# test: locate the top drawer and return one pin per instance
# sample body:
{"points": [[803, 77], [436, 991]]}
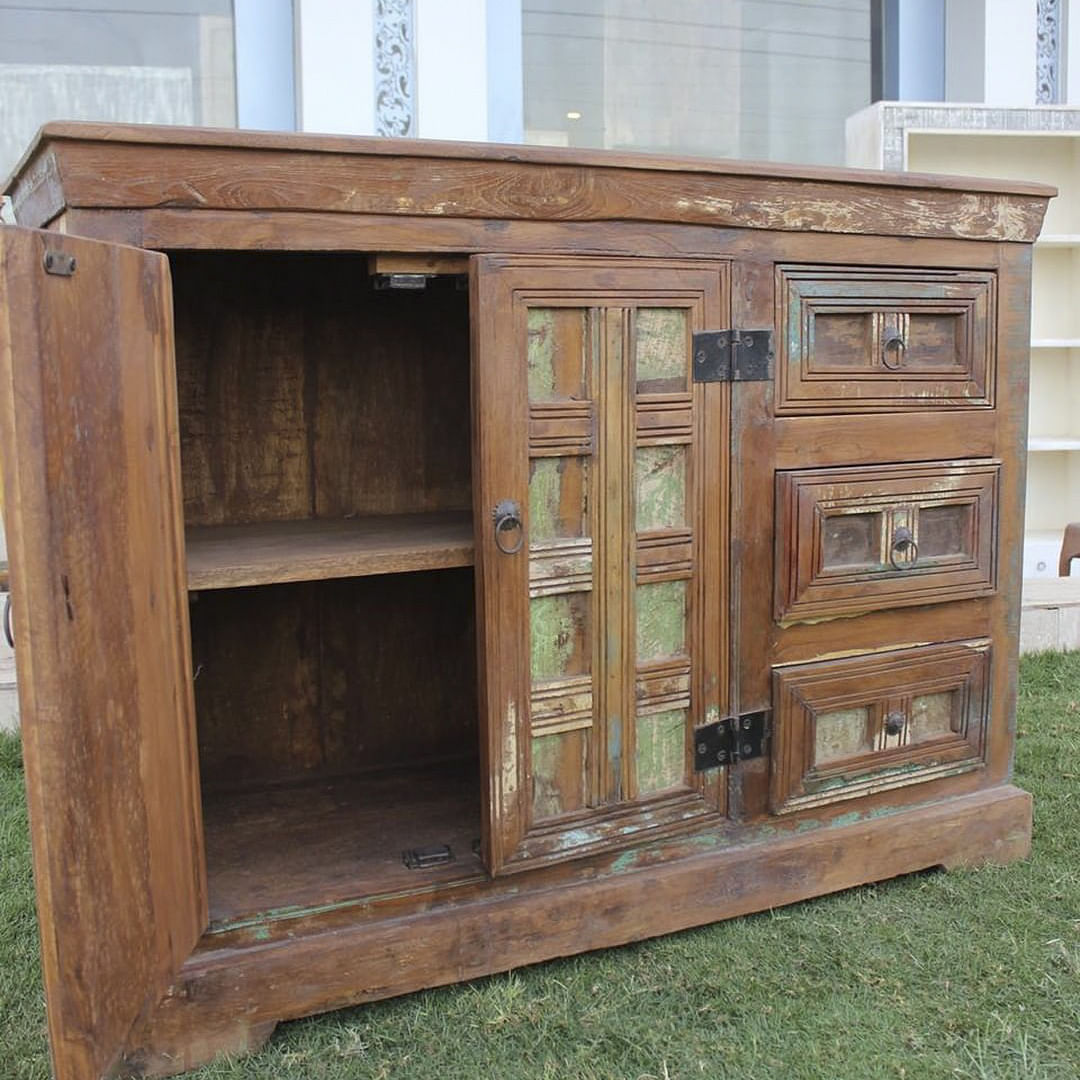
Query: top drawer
{"points": [[859, 340]]}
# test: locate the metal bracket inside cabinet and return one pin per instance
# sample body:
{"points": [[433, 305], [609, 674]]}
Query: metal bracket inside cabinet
{"points": [[731, 740], [733, 355], [412, 282], [423, 858]]}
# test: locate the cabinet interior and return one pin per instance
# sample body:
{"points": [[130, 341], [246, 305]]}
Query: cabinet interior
{"points": [[325, 460]]}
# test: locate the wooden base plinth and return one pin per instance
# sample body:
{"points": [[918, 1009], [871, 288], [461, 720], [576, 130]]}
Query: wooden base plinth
{"points": [[228, 1000]]}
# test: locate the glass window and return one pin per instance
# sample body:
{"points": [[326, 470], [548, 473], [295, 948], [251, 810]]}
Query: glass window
{"points": [[761, 79], [141, 61]]}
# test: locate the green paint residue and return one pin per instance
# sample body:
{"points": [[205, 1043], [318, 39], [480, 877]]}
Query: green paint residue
{"points": [[661, 750], [660, 487], [558, 779], [557, 627], [547, 798], [541, 353], [554, 375], [661, 620], [547, 520], [661, 350]]}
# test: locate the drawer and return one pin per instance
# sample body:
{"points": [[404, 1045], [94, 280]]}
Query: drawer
{"points": [[858, 340], [848, 728], [852, 540]]}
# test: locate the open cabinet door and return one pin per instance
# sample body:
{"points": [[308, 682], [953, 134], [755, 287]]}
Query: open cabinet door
{"points": [[600, 478], [94, 529]]}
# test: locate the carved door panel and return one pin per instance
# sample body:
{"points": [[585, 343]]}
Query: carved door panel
{"points": [[600, 478]]}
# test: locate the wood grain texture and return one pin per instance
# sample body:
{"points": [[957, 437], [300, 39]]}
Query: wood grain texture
{"points": [[821, 574], [864, 340], [314, 231], [306, 393], [126, 168], [879, 689], [90, 456], [302, 681], [338, 839], [449, 942], [523, 350], [311, 405], [230, 556]]}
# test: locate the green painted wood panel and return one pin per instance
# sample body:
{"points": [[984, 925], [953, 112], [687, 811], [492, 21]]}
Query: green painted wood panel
{"points": [[560, 639], [662, 350], [660, 610], [661, 751], [660, 487], [557, 354], [558, 498], [559, 779]]}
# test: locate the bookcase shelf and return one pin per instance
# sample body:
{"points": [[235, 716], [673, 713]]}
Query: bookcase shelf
{"points": [[231, 556]]}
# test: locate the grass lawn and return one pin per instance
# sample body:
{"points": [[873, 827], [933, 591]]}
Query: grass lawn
{"points": [[974, 973]]}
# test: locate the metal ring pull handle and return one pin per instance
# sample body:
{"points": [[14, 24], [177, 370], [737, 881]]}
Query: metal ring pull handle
{"points": [[902, 542], [893, 341], [507, 517]]}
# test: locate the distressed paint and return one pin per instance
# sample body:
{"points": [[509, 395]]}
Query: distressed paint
{"points": [[661, 750], [840, 789], [556, 359], [660, 610], [558, 775], [659, 487], [661, 350], [558, 635], [558, 498], [841, 734], [931, 716]]}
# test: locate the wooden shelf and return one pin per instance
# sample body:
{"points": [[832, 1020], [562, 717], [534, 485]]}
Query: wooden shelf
{"points": [[1045, 443], [1058, 240], [337, 839], [1055, 343], [232, 556]]}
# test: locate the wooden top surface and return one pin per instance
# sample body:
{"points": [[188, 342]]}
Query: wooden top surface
{"points": [[110, 167], [150, 134]]}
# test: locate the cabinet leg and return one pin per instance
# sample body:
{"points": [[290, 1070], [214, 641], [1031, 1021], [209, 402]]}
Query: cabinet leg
{"points": [[161, 1049]]}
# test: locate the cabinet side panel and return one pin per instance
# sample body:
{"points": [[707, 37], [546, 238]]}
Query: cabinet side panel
{"points": [[90, 461]]}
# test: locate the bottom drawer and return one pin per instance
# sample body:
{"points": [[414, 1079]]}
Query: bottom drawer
{"points": [[848, 728]]}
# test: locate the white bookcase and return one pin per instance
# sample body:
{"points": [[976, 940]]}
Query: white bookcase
{"points": [[1037, 143]]}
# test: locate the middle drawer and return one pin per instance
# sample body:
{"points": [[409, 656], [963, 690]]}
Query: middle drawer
{"points": [[852, 540]]}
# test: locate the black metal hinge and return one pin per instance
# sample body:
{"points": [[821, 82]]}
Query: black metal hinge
{"points": [[733, 355], [731, 740]]}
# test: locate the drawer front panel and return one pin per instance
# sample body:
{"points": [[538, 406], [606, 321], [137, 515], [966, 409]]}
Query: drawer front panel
{"points": [[861, 340], [850, 728], [857, 540]]}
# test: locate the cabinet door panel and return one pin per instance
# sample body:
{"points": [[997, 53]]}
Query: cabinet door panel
{"points": [[857, 540], [852, 727], [601, 645], [91, 467], [854, 340]]}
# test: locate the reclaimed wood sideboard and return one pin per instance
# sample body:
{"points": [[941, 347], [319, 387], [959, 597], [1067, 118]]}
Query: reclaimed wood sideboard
{"points": [[429, 559]]}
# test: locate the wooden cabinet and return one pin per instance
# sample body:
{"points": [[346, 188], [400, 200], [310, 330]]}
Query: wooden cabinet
{"points": [[432, 559]]}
